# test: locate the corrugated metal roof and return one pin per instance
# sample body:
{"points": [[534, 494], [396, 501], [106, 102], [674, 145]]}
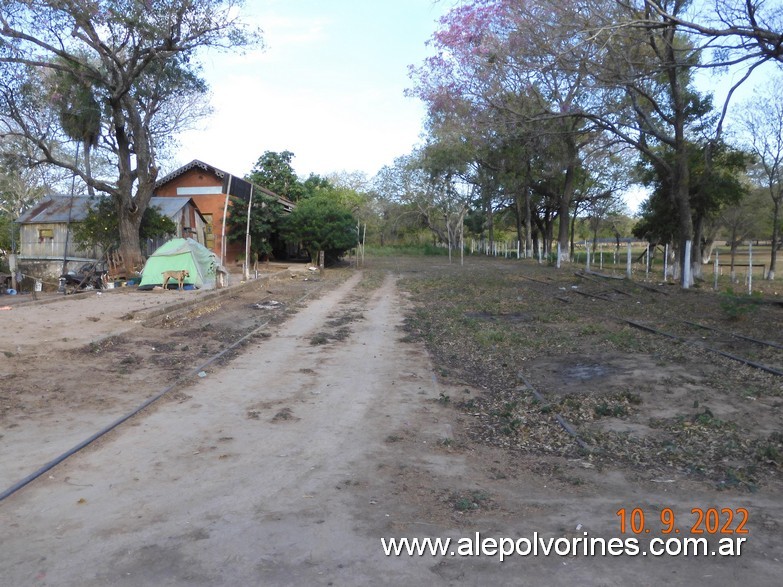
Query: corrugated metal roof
{"points": [[55, 209], [170, 206]]}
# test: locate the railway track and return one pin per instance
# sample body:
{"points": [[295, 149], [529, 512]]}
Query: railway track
{"points": [[764, 355], [723, 343]]}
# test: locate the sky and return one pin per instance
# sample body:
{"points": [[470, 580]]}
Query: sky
{"points": [[329, 87]]}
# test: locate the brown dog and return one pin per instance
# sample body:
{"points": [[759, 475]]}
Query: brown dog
{"points": [[178, 275]]}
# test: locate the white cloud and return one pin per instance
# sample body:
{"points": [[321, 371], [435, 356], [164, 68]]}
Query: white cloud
{"points": [[328, 87]]}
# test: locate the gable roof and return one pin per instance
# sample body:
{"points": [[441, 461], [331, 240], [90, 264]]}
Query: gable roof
{"points": [[233, 185], [56, 208], [170, 206]]}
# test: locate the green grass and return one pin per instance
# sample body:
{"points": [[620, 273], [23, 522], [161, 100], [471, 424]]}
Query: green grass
{"points": [[405, 250]]}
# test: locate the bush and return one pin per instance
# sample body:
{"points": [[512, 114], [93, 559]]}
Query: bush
{"points": [[321, 224], [736, 307]]}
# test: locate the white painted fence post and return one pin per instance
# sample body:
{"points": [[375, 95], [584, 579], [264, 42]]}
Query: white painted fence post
{"points": [[587, 262], [715, 272], [666, 262], [601, 257]]}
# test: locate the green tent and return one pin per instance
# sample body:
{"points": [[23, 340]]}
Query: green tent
{"points": [[176, 255]]}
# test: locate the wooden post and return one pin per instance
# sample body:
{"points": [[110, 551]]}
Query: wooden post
{"points": [[686, 269], [750, 267], [628, 262]]}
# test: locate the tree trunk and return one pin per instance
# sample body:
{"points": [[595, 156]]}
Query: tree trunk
{"points": [[130, 208], [572, 244], [490, 226], [130, 247], [564, 211], [697, 251], [518, 211], [732, 271], [775, 238], [528, 222], [685, 233], [88, 165]]}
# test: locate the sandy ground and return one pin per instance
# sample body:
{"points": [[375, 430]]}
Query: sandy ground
{"points": [[289, 463]]}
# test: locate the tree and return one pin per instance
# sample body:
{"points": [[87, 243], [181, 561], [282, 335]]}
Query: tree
{"points": [[110, 75], [762, 119], [744, 220], [498, 63], [101, 227], [719, 179], [314, 185], [430, 191], [20, 188], [736, 30], [713, 187], [274, 172], [321, 224], [722, 35], [265, 214]]}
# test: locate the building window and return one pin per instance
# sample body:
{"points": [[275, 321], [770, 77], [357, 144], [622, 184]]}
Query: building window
{"points": [[45, 233], [210, 235]]}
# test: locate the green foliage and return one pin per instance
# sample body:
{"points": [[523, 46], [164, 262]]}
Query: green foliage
{"points": [[315, 185], [274, 172], [321, 224], [121, 77], [264, 219], [6, 226], [72, 95], [713, 188], [406, 250], [101, 227], [736, 307]]}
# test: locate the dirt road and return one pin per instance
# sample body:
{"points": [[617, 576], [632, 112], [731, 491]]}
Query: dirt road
{"points": [[288, 465], [254, 479]]}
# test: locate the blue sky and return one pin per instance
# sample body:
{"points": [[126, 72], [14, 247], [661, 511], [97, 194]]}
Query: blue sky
{"points": [[328, 87]]}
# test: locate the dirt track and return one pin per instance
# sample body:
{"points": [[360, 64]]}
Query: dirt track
{"points": [[287, 465]]}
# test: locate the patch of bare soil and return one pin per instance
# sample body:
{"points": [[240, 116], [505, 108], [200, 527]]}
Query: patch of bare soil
{"points": [[75, 388], [655, 405], [505, 404]]}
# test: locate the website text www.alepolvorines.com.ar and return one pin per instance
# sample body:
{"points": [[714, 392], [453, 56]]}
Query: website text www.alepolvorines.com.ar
{"points": [[503, 548]]}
